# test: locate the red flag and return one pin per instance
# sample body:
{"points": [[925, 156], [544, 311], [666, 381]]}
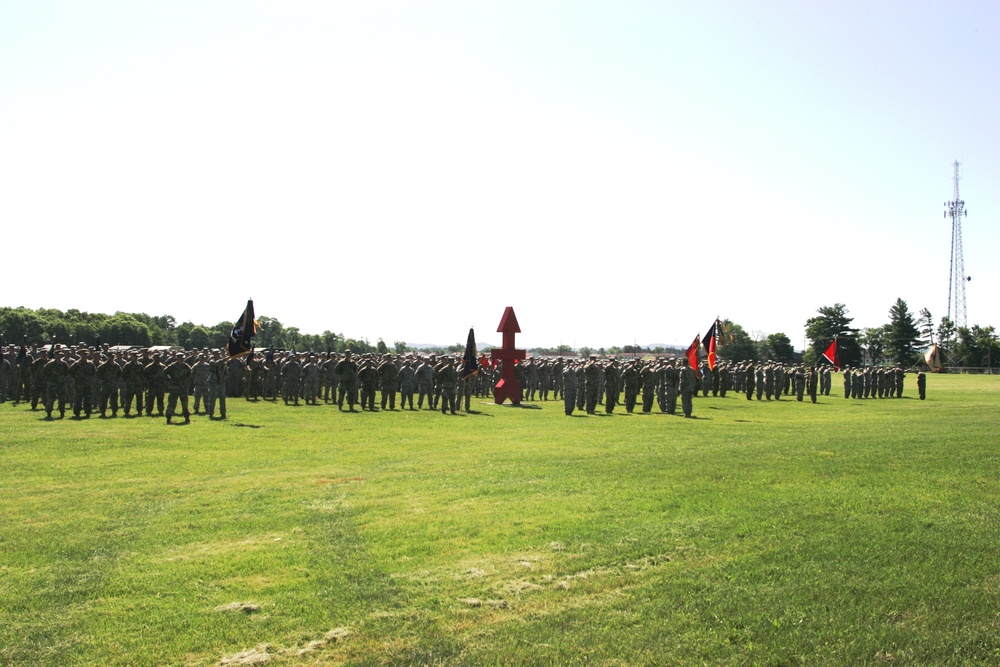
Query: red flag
{"points": [[711, 341], [831, 354], [692, 355]]}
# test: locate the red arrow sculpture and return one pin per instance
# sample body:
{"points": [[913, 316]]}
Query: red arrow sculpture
{"points": [[508, 386]]}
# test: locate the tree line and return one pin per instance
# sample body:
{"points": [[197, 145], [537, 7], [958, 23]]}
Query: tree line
{"points": [[900, 340]]}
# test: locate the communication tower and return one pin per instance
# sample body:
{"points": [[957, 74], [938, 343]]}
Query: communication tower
{"points": [[955, 209]]}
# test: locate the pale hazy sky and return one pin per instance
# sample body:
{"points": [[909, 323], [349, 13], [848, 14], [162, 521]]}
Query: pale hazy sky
{"points": [[617, 172]]}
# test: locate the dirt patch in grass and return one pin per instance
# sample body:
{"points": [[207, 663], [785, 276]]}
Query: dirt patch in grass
{"points": [[242, 607]]}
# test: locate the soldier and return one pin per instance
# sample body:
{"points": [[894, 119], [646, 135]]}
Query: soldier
{"points": [[570, 382], [329, 368], [812, 380], [688, 385], [311, 373], [425, 383], [847, 381], [177, 376], [109, 375], [922, 385], [217, 385], [670, 381], [291, 375], [407, 378], [155, 387], [347, 379], [900, 374], [446, 377], [200, 371], [368, 382], [35, 374], [134, 378], [83, 373], [56, 374], [592, 373], [388, 376], [465, 388], [630, 383], [612, 385], [648, 377], [779, 381], [750, 380], [799, 383], [532, 379]]}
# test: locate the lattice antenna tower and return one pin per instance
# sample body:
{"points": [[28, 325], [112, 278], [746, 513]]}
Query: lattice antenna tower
{"points": [[955, 209]]}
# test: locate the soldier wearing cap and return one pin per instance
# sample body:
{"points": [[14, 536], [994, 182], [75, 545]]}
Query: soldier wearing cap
{"points": [[109, 375], [177, 375], [389, 382], [56, 374], [83, 372], [217, 374], [311, 373], [347, 381]]}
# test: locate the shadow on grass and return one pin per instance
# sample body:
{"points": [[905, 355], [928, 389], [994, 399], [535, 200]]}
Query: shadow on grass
{"points": [[242, 425]]}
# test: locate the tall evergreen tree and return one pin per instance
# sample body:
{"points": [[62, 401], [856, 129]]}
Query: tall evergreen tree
{"points": [[903, 335]]}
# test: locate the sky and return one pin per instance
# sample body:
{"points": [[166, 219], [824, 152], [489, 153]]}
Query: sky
{"points": [[617, 172]]}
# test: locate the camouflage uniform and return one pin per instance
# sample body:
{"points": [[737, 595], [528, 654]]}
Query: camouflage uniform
{"points": [[217, 386], [109, 374], [177, 376], [569, 387], [155, 388], [688, 385], [425, 384], [389, 380], [291, 375], [134, 376], [56, 374], [200, 372], [368, 382], [447, 376], [347, 381], [407, 377], [83, 373]]}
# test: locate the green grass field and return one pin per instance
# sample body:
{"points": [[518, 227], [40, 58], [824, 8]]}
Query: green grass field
{"points": [[782, 533]]}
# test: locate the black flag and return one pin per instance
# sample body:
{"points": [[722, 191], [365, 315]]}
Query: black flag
{"points": [[239, 344], [470, 365]]}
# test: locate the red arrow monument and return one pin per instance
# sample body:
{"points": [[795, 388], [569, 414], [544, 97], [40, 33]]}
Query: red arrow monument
{"points": [[508, 386]]}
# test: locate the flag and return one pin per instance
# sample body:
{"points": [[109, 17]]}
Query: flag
{"points": [[933, 359], [239, 344], [831, 354], [484, 361], [729, 333], [692, 355], [470, 366], [711, 341]]}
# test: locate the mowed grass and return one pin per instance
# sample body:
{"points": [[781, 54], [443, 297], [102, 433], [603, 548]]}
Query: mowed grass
{"points": [[770, 533]]}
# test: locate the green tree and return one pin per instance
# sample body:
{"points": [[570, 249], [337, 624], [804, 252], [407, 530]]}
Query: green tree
{"points": [[902, 334], [198, 338], [777, 347], [925, 323], [124, 329], [874, 341], [821, 329], [947, 336]]}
